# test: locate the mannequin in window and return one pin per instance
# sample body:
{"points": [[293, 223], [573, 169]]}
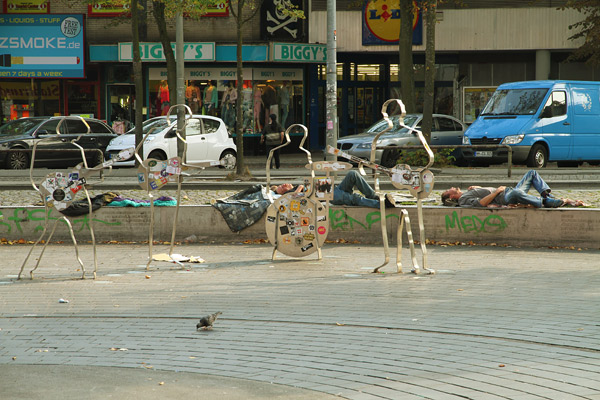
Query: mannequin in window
{"points": [[247, 106], [192, 96], [163, 97], [228, 105], [258, 105], [211, 98], [284, 103], [269, 98]]}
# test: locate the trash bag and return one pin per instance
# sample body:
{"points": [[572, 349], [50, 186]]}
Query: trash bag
{"points": [[245, 208], [81, 207]]}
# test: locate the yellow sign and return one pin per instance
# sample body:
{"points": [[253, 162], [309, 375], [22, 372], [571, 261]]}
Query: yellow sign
{"points": [[26, 6], [383, 18], [108, 8], [23, 91]]}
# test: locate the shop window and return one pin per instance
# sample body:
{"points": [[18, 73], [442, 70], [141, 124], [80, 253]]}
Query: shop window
{"points": [[259, 99], [368, 72], [24, 98], [82, 99]]}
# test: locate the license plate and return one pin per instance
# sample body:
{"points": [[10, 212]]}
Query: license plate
{"points": [[483, 154]]}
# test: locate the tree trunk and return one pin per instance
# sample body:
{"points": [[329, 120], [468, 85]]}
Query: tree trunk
{"points": [[158, 8], [430, 18], [405, 64], [239, 121], [137, 75]]}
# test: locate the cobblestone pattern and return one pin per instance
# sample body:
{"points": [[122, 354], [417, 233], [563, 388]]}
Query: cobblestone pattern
{"points": [[491, 324]]}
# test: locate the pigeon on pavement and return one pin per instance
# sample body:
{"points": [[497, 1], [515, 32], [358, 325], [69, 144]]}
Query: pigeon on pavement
{"points": [[208, 321]]}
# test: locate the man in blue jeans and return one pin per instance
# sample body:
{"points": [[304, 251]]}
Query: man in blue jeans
{"points": [[343, 193], [478, 196]]}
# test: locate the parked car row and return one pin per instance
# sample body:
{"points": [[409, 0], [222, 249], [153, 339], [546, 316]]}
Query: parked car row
{"points": [[17, 139], [446, 130], [207, 140], [541, 120]]}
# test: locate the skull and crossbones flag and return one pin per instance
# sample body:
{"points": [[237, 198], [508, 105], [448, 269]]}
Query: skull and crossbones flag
{"points": [[276, 25]]}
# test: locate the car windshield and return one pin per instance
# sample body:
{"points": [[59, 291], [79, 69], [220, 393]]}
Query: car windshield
{"points": [[20, 126], [380, 125], [515, 102]]}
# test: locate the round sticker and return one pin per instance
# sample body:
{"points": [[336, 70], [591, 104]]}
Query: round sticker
{"points": [[321, 230], [70, 27], [58, 195]]}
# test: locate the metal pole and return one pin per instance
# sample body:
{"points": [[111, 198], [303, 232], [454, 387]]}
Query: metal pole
{"points": [[331, 90], [180, 82]]}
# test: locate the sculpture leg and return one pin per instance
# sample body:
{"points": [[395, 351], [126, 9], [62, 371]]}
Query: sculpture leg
{"points": [[174, 230], [92, 233], [150, 233], [386, 248], [422, 237], [399, 242]]}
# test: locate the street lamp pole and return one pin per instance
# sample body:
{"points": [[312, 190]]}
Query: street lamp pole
{"points": [[331, 89]]}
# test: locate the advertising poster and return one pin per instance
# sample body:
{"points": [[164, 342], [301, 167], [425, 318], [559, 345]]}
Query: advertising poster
{"points": [[108, 8], [26, 7], [474, 101], [41, 46], [381, 23]]}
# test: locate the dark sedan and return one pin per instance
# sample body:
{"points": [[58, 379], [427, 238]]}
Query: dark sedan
{"points": [[18, 137]]}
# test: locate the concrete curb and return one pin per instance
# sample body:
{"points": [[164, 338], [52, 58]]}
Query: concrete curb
{"points": [[564, 227]]}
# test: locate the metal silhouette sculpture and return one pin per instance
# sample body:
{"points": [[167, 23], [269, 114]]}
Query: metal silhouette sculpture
{"points": [[419, 182], [297, 223], [153, 174], [59, 190]]}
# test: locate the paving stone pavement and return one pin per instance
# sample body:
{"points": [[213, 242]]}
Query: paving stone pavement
{"points": [[492, 323]]}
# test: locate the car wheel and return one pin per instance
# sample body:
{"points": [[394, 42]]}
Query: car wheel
{"points": [[157, 155], [230, 159], [17, 160], [389, 158], [538, 156], [96, 158]]}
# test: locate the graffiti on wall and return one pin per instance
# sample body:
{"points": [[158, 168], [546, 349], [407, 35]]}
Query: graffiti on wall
{"points": [[340, 220], [12, 222], [473, 224]]}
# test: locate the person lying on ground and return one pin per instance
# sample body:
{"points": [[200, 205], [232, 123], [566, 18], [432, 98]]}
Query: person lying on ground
{"points": [[477, 196], [343, 193]]}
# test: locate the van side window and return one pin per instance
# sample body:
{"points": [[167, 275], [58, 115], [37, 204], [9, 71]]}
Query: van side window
{"points": [[556, 105]]}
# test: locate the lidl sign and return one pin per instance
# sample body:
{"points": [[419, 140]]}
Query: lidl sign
{"points": [[153, 51], [381, 23]]}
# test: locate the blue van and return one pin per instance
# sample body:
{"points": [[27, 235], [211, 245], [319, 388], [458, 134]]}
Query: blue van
{"points": [[542, 121]]}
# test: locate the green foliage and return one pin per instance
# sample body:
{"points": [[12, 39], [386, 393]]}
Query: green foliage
{"points": [[588, 28], [419, 158]]}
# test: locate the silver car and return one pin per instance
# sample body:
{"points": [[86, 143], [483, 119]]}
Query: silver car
{"points": [[446, 130]]}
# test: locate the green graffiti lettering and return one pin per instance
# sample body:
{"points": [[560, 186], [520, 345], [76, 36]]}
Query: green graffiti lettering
{"points": [[452, 222], [342, 221], [491, 224]]}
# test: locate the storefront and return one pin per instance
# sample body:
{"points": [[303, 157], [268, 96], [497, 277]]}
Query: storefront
{"points": [[43, 66]]}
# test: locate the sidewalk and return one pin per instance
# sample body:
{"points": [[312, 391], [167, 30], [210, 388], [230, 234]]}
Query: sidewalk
{"points": [[493, 323]]}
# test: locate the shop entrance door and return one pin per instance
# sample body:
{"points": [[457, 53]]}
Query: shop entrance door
{"points": [[120, 106]]}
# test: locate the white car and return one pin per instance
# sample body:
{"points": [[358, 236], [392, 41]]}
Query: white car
{"points": [[207, 140]]}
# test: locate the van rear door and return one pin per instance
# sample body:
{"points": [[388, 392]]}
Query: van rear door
{"points": [[556, 125], [586, 122]]}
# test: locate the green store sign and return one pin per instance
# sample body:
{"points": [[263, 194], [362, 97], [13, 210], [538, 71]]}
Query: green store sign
{"points": [[294, 52], [153, 51]]}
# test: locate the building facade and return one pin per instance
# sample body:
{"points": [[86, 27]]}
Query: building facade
{"points": [[478, 47]]}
